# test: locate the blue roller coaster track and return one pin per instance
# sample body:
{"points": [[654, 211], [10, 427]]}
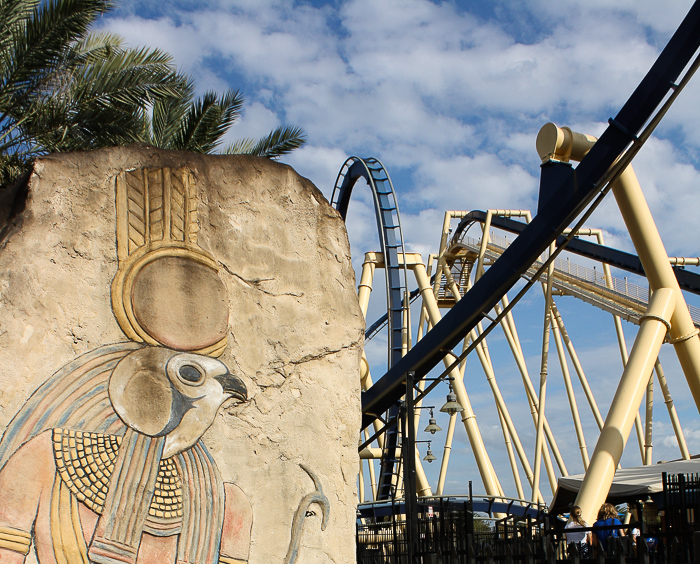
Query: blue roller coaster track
{"points": [[392, 247]]}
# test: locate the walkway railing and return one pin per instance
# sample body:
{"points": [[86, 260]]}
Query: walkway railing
{"points": [[584, 282]]}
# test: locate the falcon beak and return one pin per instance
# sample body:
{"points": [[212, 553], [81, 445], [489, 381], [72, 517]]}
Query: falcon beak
{"points": [[232, 386]]}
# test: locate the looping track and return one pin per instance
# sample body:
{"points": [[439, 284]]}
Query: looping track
{"points": [[392, 247]]}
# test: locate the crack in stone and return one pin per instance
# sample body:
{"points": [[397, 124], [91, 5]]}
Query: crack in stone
{"points": [[311, 357], [280, 368], [74, 337], [256, 284]]}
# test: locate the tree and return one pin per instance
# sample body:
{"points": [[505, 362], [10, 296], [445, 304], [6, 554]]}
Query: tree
{"points": [[63, 89], [199, 125]]}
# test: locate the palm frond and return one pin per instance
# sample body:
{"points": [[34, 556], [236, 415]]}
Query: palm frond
{"points": [[281, 141], [93, 47], [40, 45], [11, 167], [168, 115], [130, 76], [243, 146], [102, 101], [207, 121], [13, 15], [63, 88]]}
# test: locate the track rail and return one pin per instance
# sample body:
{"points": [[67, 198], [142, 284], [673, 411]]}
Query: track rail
{"points": [[687, 280], [392, 246]]}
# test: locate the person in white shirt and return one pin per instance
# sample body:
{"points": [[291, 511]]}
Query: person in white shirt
{"points": [[580, 539]]}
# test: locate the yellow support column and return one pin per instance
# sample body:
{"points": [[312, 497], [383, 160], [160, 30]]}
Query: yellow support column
{"points": [[668, 400], [483, 461], [509, 431], [654, 259], [569, 391], [618, 423], [667, 311], [564, 144], [446, 455]]}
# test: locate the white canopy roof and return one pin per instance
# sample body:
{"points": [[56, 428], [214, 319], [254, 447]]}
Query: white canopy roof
{"points": [[629, 484]]}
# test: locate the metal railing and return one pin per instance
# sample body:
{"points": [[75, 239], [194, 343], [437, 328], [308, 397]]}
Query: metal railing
{"points": [[569, 273], [451, 532]]}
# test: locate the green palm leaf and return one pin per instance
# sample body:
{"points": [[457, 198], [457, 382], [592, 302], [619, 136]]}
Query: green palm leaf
{"points": [[207, 120], [167, 117], [281, 141], [63, 88]]}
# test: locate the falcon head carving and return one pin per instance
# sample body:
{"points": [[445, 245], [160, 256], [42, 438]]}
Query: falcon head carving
{"points": [[161, 392]]}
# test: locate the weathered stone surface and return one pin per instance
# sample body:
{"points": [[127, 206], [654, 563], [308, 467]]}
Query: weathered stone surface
{"points": [[176, 300], [294, 326]]}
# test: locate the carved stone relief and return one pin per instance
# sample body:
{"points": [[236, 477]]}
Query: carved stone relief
{"points": [[109, 459]]}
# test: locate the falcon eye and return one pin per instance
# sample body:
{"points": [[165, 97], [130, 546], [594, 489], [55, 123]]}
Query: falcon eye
{"points": [[190, 373]]}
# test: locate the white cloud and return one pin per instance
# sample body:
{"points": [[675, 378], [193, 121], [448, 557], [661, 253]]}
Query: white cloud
{"points": [[661, 18], [319, 163], [256, 121], [478, 182], [181, 41]]}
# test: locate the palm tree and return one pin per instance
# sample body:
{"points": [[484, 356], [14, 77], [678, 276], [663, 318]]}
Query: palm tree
{"points": [[63, 88], [199, 125]]}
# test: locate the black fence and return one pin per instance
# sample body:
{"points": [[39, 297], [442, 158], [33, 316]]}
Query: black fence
{"points": [[448, 532], [681, 502], [635, 543]]}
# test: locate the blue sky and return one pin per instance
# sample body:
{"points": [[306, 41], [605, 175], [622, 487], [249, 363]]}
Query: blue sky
{"points": [[450, 96]]}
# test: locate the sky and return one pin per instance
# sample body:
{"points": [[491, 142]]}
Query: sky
{"points": [[450, 96]]}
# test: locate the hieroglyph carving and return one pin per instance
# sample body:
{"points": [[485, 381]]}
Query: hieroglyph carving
{"points": [[104, 463], [167, 290]]}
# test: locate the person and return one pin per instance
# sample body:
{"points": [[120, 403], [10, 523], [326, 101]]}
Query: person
{"points": [[607, 516], [578, 539], [651, 521], [634, 519]]}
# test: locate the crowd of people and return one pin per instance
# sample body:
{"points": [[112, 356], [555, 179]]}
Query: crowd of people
{"points": [[607, 526]]}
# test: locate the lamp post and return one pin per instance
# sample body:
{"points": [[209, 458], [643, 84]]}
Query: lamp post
{"points": [[432, 427], [430, 457], [408, 448], [409, 460]]}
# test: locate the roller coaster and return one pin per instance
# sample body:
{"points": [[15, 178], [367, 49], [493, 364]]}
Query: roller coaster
{"points": [[462, 296]]}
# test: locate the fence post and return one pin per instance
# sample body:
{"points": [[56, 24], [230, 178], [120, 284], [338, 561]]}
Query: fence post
{"points": [[471, 552], [674, 550], [696, 547], [550, 551], [409, 473], [574, 555], [684, 504], [642, 548], [488, 553], [599, 554], [395, 556], [529, 554], [618, 548]]}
